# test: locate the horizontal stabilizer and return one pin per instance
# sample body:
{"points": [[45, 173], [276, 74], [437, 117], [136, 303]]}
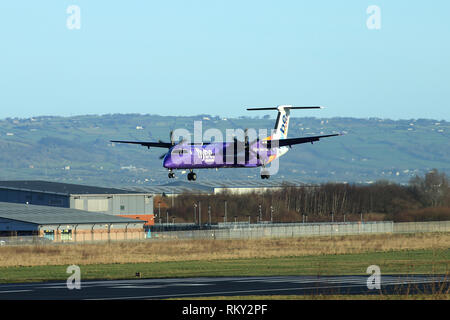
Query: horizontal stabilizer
{"points": [[148, 144], [291, 108]]}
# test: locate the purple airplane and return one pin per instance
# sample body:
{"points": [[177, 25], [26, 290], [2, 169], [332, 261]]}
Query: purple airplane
{"points": [[235, 154]]}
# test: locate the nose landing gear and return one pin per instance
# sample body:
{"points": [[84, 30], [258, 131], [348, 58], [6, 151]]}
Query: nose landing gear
{"points": [[171, 174]]}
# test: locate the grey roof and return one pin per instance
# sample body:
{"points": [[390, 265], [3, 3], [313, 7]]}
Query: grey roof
{"points": [[56, 215], [59, 188], [208, 186], [253, 183], [176, 187]]}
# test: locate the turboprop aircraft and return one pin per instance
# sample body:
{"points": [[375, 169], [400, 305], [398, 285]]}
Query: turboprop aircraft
{"points": [[236, 154]]}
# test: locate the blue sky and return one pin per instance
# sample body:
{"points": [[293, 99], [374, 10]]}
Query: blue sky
{"points": [[216, 57]]}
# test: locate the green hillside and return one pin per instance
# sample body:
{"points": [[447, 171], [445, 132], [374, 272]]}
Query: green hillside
{"points": [[77, 149]]}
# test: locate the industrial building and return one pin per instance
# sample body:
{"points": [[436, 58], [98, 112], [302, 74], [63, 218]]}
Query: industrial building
{"points": [[65, 224], [217, 187], [125, 203]]}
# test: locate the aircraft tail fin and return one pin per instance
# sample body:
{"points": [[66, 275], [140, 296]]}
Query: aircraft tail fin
{"points": [[282, 122]]}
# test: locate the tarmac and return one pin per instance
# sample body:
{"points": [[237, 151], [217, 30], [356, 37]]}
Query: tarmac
{"points": [[142, 289]]}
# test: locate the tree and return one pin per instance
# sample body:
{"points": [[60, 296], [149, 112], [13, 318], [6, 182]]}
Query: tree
{"points": [[433, 189]]}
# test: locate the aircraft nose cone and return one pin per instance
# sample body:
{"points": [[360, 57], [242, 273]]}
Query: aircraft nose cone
{"points": [[167, 162]]}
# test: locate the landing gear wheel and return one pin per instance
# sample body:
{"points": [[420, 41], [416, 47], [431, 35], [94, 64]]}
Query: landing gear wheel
{"points": [[171, 175], [265, 176], [192, 176]]}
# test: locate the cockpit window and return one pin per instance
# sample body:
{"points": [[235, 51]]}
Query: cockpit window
{"points": [[180, 151]]}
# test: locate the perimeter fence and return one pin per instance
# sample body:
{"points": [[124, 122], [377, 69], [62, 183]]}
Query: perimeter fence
{"points": [[415, 227], [242, 230], [278, 230]]}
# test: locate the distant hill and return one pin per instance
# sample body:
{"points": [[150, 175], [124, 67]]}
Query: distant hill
{"points": [[77, 149]]}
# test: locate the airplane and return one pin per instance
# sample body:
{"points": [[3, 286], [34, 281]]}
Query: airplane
{"points": [[236, 154]]}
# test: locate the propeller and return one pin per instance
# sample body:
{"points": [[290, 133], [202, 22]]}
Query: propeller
{"points": [[171, 141]]}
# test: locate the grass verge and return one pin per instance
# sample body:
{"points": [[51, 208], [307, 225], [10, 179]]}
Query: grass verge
{"points": [[428, 261], [204, 250]]}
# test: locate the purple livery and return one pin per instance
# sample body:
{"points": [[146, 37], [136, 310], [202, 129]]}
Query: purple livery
{"points": [[236, 154]]}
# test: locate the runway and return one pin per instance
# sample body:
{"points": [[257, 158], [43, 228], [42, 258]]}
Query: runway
{"points": [[141, 289]]}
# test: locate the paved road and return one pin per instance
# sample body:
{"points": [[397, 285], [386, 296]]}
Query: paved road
{"points": [[222, 286]]}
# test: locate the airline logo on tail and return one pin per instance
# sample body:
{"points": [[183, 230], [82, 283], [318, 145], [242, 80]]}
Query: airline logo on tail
{"points": [[281, 126], [284, 126]]}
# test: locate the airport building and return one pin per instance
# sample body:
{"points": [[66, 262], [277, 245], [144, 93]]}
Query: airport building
{"points": [[65, 224], [217, 187], [118, 202]]}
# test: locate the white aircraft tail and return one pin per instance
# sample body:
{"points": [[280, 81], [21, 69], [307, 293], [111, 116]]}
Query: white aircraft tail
{"points": [[282, 122]]}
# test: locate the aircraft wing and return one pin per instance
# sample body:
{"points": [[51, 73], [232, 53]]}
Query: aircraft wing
{"points": [[293, 141], [167, 145]]}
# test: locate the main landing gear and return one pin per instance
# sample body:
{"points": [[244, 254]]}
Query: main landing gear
{"points": [[265, 172], [192, 176]]}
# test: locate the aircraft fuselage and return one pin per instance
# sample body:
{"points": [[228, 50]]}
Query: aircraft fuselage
{"points": [[220, 155]]}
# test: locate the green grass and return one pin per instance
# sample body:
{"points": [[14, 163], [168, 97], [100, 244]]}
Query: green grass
{"points": [[394, 262]]}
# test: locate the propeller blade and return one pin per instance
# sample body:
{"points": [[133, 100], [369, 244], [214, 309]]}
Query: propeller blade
{"points": [[162, 156]]}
